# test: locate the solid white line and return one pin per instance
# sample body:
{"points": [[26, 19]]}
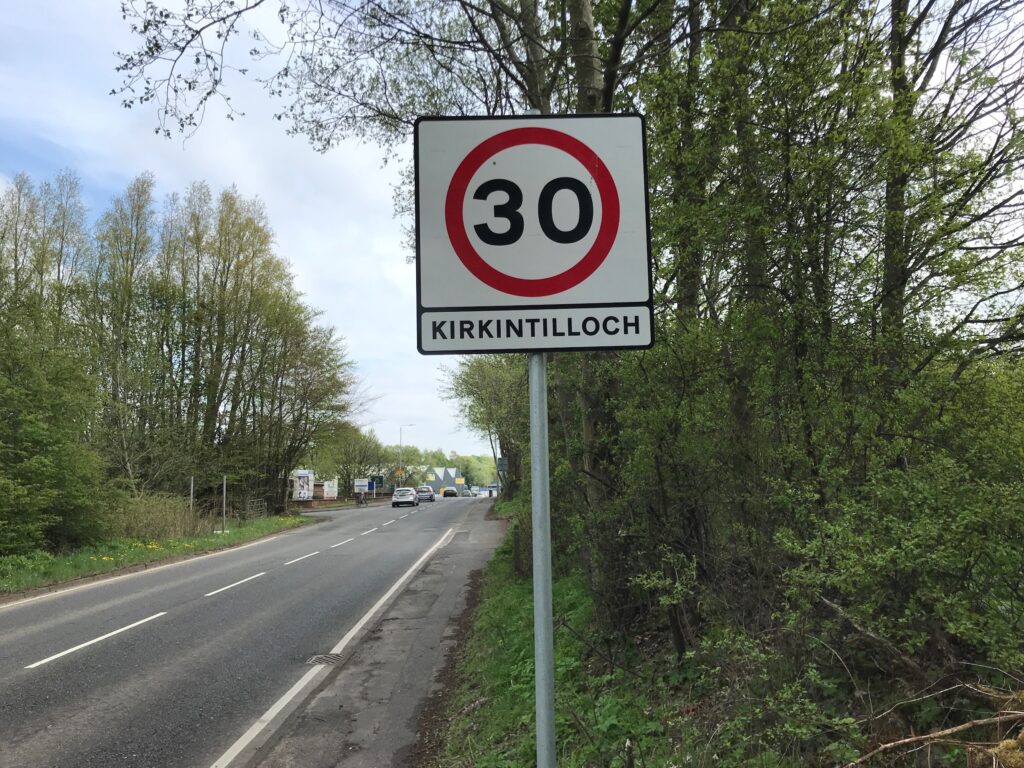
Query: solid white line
{"points": [[346, 541], [389, 522], [229, 586], [254, 731], [95, 640], [369, 531], [403, 517], [303, 557], [394, 588], [235, 749]]}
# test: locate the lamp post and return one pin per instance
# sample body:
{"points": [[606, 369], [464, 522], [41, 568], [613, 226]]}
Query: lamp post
{"points": [[401, 465]]}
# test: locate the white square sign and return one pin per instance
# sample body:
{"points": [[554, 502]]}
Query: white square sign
{"points": [[532, 233]]}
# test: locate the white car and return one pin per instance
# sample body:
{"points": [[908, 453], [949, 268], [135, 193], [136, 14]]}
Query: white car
{"points": [[404, 496]]}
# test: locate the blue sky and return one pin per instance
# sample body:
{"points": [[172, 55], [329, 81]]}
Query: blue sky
{"points": [[331, 214]]}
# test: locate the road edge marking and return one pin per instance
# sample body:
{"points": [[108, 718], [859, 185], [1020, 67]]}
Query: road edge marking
{"points": [[278, 706], [100, 579]]}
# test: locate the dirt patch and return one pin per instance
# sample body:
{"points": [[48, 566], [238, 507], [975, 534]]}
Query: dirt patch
{"points": [[432, 726]]}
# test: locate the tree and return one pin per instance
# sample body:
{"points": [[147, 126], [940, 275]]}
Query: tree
{"points": [[51, 481], [491, 392]]}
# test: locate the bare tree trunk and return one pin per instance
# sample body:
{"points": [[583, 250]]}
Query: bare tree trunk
{"points": [[589, 74], [897, 179]]}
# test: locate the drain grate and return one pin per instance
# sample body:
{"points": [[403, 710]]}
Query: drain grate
{"points": [[326, 658]]}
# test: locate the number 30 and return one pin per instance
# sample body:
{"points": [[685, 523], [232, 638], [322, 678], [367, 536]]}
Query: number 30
{"points": [[509, 210]]}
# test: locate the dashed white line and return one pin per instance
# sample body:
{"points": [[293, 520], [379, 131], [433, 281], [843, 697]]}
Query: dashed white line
{"points": [[389, 522], [403, 517], [302, 558], [95, 640], [369, 531], [346, 541], [229, 586]]}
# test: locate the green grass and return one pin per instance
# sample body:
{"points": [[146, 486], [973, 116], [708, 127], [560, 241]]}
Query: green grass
{"points": [[598, 704], [41, 569]]}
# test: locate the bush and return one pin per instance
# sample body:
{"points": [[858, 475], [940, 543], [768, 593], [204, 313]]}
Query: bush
{"points": [[154, 516]]}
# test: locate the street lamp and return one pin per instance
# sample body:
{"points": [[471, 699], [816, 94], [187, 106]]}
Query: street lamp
{"points": [[401, 465]]}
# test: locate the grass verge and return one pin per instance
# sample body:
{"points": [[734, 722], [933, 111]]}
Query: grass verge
{"points": [[42, 569], [603, 699]]}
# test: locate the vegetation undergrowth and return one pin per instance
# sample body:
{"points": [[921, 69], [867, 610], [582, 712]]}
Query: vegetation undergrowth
{"points": [[602, 701], [737, 699], [40, 568]]}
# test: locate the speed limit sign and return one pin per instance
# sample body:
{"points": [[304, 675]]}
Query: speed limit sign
{"points": [[532, 233]]}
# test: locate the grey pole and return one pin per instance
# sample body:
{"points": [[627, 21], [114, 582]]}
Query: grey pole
{"points": [[543, 631], [224, 507], [191, 494]]}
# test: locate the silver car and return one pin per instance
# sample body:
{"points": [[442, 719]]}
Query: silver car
{"points": [[404, 496], [425, 493]]}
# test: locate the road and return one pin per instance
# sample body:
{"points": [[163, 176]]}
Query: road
{"points": [[171, 666]]}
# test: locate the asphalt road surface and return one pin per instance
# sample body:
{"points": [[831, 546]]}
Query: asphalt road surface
{"points": [[171, 666]]}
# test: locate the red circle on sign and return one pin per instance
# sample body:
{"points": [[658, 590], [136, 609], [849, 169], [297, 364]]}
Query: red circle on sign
{"points": [[521, 286]]}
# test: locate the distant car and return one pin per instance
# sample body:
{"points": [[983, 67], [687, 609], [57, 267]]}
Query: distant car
{"points": [[404, 496], [450, 492], [425, 493], [466, 492]]}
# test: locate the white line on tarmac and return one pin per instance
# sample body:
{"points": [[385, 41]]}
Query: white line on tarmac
{"points": [[389, 522], [394, 588], [302, 558], [229, 586], [103, 581], [403, 517], [235, 749], [346, 541], [369, 531], [95, 640]]}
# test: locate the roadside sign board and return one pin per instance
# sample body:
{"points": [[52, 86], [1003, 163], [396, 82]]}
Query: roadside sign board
{"points": [[361, 485], [502, 464], [460, 480], [532, 233]]}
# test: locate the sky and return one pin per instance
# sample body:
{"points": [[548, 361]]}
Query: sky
{"points": [[331, 213]]}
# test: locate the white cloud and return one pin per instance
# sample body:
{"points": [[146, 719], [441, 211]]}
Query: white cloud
{"points": [[331, 213]]}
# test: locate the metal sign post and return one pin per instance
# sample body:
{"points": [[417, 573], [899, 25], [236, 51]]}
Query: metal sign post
{"points": [[533, 234], [543, 631]]}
